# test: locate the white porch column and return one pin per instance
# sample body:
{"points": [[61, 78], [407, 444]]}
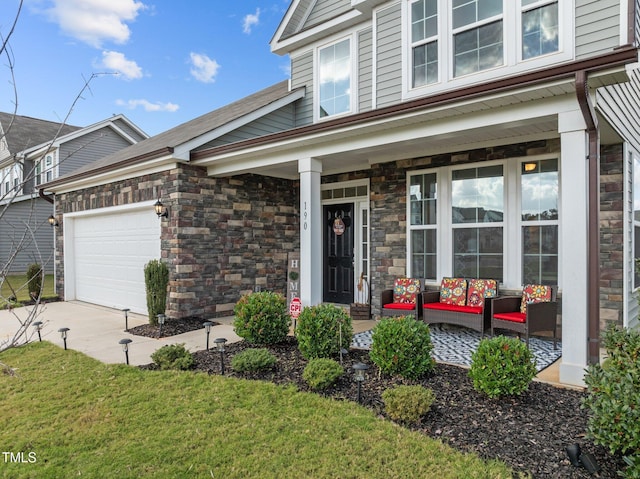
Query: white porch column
{"points": [[310, 232], [573, 249]]}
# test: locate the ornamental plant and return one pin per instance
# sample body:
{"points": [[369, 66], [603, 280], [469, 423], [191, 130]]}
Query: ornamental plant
{"points": [[402, 346], [156, 280], [407, 404], [323, 330], [173, 356], [320, 373], [34, 280], [502, 366], [613, 397], [262, 318], [253, 360]]}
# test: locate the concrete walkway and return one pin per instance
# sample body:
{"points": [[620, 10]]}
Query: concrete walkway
{"points": [[95, 331]]}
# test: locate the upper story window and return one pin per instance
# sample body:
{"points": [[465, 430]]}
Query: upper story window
{"points": [[45, 170], [334, 70], [451, 43]]}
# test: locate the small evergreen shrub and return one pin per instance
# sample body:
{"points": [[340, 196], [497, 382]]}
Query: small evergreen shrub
{"points": [[402, 346], [613, 397], [156, 280], [502, 366], [253, 360], [34, 280], [262, 318], [320, 373], [320, 329], [173, 356], [407, 404]]}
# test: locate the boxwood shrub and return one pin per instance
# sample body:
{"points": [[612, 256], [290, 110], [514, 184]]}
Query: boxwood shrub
{"points": [[319, 331], [253, 359], [262, 318], [407, 404], [320, 373], [402, 346], [173, 356], [502, 366]]}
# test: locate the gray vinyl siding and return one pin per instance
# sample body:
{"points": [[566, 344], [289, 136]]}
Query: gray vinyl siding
{"points": [[88, 148], [297, 17], [365, 70], [597, 27], [302, 76], [124, 126], [389, 54], [325, 10], [24, 229], [282, 119]]}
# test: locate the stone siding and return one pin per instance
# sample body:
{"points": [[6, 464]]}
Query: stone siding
{"points": [[224, 236]]}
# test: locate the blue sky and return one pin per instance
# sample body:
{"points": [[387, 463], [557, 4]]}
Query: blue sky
{"points": [[175, 60]]}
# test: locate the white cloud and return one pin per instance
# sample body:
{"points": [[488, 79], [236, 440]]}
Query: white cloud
{"points": [[95, 21], [204, 69], [116, 61], [250, 20], [147, 105]]}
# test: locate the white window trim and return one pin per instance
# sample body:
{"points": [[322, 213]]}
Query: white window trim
{"points": [[513, 63], [512, 220], [353, 49]]}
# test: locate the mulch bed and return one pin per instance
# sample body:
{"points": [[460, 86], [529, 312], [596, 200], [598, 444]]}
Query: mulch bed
{"points": [[171, 327], [529, 432]]}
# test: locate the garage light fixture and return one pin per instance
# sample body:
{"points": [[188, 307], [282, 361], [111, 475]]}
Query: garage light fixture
{"points": [[161, 210], [53, 221]]}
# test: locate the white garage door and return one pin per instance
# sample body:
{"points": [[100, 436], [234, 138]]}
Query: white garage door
{"points": [[110, 251]]}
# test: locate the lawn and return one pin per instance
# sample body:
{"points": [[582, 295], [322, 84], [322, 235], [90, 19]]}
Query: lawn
{"points": [[17, 283], [70, 415]]}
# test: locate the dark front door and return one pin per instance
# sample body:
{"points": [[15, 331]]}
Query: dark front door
{"points": [[338, 253]]}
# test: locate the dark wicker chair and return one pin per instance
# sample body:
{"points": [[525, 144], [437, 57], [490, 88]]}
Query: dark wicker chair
{"points": [[539, 316], [389, 307]]}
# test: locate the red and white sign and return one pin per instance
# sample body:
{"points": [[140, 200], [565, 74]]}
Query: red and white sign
{"points": [[295, 308]]}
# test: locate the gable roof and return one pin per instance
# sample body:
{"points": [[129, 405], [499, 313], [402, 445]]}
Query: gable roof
{"points": [[176, 144], [23, 132]]}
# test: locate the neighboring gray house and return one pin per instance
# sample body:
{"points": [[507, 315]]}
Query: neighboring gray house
{"points": [[33, 152], [479, 139]]}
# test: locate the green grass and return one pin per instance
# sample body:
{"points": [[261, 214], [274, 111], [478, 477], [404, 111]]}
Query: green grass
{"points": [[80, 417], [18, 283]]}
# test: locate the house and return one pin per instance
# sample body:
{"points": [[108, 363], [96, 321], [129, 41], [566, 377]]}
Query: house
{"points": [[447, 138], [33, 152]]}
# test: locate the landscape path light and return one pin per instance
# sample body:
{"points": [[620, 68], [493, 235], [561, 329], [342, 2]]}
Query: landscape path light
{"points": [[161, 319], [360, 369], [126, 318], [207, 327], [38, 326], [220, 342], [63, 332], [125, 347]]}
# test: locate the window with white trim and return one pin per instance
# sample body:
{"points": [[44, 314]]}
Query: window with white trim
{"points": [[423, 198], [540, 30], [539, 216], [334, 77], [636, 218], [424, 42]]}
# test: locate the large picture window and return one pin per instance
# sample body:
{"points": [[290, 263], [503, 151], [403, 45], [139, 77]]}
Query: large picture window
{"points": [[477, 212], [539, 200], [334, 67]]}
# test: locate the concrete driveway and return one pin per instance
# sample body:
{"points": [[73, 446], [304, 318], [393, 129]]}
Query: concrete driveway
{"points": [[96, 330]]}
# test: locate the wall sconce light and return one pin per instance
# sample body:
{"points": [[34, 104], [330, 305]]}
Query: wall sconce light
{"points": [[360, 369], [528, 167], [161, 210], [53, 221], [220, 342], [38, 326], [125, 347], [207, 327], [63, 333], [161, 320]]}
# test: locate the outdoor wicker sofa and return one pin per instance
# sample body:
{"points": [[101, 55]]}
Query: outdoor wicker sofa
{"points": [[461, 302]]}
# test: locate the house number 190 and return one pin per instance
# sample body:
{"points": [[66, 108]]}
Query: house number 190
{"points": [[306, 216]]}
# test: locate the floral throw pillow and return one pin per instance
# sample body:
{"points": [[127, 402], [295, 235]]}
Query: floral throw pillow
{"points": [[534, 293], [453, 291], [479, 289], [405, 290]]}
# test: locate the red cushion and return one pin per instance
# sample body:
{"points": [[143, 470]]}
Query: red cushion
{"points": [[514, 317], [405, 306], [454, 307]]}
